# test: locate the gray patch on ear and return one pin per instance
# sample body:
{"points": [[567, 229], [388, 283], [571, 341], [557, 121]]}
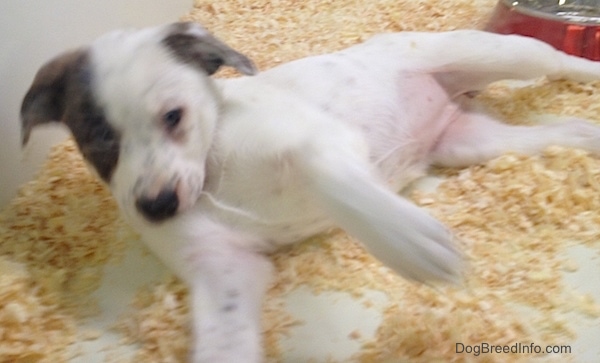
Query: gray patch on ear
{"points": [[45, 100], [62, 92], [193, 44]]}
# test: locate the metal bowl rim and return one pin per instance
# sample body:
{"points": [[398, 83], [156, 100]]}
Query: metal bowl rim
{"points": [[520, 7]]}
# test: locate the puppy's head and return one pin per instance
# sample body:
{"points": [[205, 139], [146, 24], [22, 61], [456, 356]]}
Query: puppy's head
{"points": [[142, 109]]}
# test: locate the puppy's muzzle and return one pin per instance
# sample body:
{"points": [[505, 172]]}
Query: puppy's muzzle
{"points": [[162, 207]]}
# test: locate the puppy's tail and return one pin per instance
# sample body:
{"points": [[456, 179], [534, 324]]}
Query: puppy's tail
{"points": [[398, 233]]}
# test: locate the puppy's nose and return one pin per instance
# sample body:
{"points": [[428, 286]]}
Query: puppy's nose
{"points": [[160, 208]]}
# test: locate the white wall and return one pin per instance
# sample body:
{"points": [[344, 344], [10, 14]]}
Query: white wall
{"points": [[33, 31]]}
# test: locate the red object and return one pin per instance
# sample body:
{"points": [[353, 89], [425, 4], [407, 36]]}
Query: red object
{"points": [[578, 39]]}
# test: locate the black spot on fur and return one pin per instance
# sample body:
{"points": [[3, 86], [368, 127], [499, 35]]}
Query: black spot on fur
{"points": [[228, 308]]}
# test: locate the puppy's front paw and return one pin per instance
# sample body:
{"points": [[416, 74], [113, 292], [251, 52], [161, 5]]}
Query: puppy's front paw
{"points": [[415, 244], [429, 247]]}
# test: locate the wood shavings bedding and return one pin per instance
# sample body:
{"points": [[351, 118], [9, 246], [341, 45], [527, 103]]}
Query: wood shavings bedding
{"points": [[559, 98], [55, 238], [31, 327], [272, 32], [514, 217]]}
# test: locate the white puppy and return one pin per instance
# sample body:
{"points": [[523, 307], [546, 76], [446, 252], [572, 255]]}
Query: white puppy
{"points": [[215, 172]]}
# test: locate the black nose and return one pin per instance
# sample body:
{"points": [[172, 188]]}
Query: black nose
{"points": [[160, 208]]}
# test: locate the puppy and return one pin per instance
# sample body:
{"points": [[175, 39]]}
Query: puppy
{"points": [[213, 173]]}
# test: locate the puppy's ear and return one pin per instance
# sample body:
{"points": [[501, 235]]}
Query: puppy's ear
{"points": [[46, 99], [193, 44]]}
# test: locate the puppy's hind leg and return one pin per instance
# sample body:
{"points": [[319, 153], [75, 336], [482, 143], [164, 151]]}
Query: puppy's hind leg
{"points": [[398, 233], [475, 138], [469, 60]]}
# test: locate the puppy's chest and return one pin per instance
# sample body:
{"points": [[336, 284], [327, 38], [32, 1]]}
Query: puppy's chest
{"points": [[266, 198]]}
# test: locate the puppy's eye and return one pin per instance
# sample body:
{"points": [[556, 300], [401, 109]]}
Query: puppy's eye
{"points": [[172, 118], [102, 133]]}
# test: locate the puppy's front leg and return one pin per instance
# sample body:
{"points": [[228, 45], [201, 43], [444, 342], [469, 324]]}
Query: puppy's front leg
{"points": [[227, 286], [398, 233]]}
